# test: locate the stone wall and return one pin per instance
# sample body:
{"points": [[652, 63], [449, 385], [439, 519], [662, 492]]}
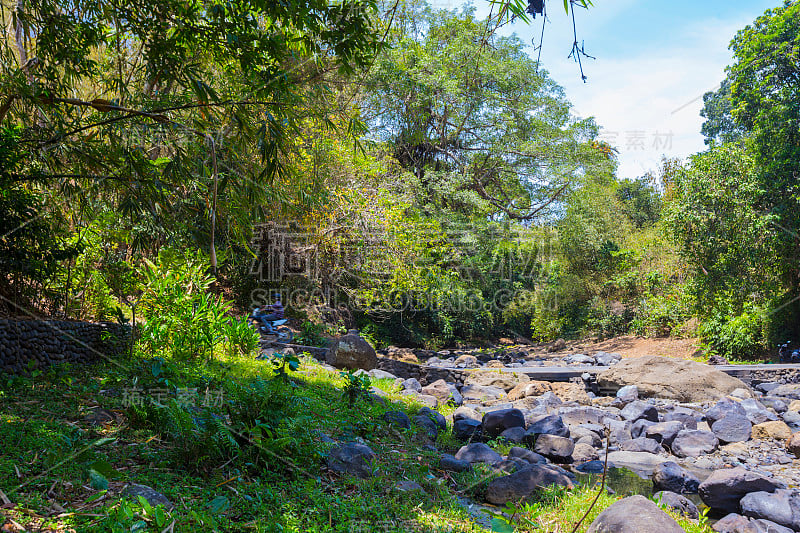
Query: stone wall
{"points": [[31, 344], [424, 374]]}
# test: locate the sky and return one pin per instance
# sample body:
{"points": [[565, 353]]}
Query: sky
{"points": [[654, 61]]}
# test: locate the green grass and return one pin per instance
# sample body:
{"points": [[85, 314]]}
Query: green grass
{"points": [[253, 463]]}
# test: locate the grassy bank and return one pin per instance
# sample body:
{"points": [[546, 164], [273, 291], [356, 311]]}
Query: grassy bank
{"points": [[246, 452]]}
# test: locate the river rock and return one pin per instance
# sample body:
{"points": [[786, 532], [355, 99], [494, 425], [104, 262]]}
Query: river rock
{"points": [[490, 378], [465, 412], [525, 482], [669, 476], [688, 417], [639, 410], [663, 432], [525, 454], [792, 419], [641, 444], [557, 449], [397, 418], [495, 422], [444, 392], [789, 390], [642, 463], [584, 452], [466, 361], [723, 489], [467, 429], [451, 464], [531, 388], [781, 506], [353, 352], [776, 430], [478, 452], [515, 435], [548, 424], [677, 379], [678, 503], [481, 393], [639, 428], [793, 444], [411, 384], [732, 428], [757, 413], [723, 408], [634, 514], [694, 443], [351, 458]]}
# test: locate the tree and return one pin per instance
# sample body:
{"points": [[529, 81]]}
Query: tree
{"points": [[720, 126], [477, 123], [156, 108]]}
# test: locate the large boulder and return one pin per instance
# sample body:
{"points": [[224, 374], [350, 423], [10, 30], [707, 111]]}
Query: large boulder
{"points": [[781, 507], [776, 430], [490, 378], [557, 449], [671, 477], [694, 443], [495, 422], [634, 514], [525, 482], [677, 379], [732, 428], [352, 352], [723, 489]]}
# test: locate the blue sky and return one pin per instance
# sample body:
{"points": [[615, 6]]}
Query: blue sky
{"points": [[654, 62]]}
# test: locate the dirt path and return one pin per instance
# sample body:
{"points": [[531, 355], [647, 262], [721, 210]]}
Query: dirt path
{"points": [[630, 346]]}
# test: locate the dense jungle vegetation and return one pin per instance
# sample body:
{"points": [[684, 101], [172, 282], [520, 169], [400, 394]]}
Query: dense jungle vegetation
{"points": [[424, 180]]}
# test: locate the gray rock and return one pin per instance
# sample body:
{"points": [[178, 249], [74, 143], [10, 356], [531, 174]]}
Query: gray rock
{"points": [[515, 435], [723, 489], [353, 352], [557, 449], [526, 455], [628, 391], [437, 417], [377, 373], [639, 410], [152, 496], [642, 463], [406, 485], [351, 458], [397, 418], [584, 434], [482, 393], [465, 412], [444, 392], [688, 417], [467, 429], [792, 419], [678, 503], [583, 453], [789, 390], [495, 422], [732, 428], [663, 432], [641, 444], [639, 428], [635, 514], [478, 452], [757, 413], [694, 443], [451, 464], [724, 408], [671, 477], [428, 424], [780, 405], [573, 416], [548, 424], [607, 359], [732, 523], [781, 506], [765, 526], [525, 482]]}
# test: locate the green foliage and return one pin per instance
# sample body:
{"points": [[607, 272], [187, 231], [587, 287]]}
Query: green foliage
{"points": [[356, 387], [311, 334], [240, 337], [743, 334], [31, 242], [181, 318]]}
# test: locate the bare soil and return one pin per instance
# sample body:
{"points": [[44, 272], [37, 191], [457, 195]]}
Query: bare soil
{"points": [[631, 346]]}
